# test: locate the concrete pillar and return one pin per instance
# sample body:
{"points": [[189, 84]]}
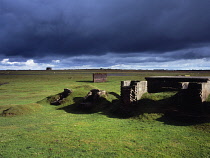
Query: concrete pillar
{"points": [[205, 91], [125, 83], [194, 95], [132, 91], [141, 89], [196, 92], [185, 85]]}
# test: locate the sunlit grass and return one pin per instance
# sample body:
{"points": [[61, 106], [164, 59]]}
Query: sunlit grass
{"points": [[42, 130]]}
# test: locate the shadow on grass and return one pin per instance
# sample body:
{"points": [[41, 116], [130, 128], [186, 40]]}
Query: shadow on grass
{"points": [[91, 81], [74, 108], [165, 110], [116, 95], [102, 105], [85, 81], [175, 114], [4, 83]]}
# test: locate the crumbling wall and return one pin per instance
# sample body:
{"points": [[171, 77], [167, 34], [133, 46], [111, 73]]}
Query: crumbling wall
{"points": [[141, 89], [189, 93], [132, 91], [205, 91], [190, 96]]}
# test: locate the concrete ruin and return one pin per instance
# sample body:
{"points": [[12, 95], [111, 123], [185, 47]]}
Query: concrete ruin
{"points": [[61, 97], [99, 77], [92, 97], [48, 68], [191, 90], [131, 91]]}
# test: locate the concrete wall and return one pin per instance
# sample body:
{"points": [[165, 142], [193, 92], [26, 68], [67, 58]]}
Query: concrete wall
{"points": [[141, 89], [99, 77], [132, 91], [189, 93], [156, 86], [205, 91]]}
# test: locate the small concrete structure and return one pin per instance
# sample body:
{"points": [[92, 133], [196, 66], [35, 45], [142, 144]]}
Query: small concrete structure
{"points": [[48, 68], [191, 90], [99, 77], [131, 91], [159, 83]]}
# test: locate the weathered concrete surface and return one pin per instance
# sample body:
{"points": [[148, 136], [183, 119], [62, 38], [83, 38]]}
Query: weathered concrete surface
{"points": [[172, 83], [178, 78], [185, 85], [205, 91], [91, 98], [132, 91], [99, 77], [190, 96], [141, 89], [191, 90], [126, 96]]}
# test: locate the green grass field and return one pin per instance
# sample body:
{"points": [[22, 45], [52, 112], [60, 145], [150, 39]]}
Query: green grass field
{"points": [[34, 128]]}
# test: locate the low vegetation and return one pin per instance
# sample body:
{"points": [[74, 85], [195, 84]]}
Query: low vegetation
{"points": [[31, 127], [12, 110]]}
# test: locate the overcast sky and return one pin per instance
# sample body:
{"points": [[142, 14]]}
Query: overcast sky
{"points": [[124, 34]]}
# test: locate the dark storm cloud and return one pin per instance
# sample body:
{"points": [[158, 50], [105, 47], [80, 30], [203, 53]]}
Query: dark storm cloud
{"points": [[67, 28]]}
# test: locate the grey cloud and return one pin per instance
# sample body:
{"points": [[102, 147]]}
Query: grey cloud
{"points": [[39, 28]]}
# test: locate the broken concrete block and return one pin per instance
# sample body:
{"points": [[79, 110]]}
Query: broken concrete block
{"points": [[92, 97], [62, 96], [132, 91]]}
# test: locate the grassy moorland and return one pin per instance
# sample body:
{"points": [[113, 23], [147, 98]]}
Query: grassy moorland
{"points": [[34, 128]]}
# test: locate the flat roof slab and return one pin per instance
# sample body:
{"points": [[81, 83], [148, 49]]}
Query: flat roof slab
{"points": [[179, 78]]}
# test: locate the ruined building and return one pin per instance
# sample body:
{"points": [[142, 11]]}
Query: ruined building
{"points": [[191, 90], [99, 77], [48, 68], [131, 91]]}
